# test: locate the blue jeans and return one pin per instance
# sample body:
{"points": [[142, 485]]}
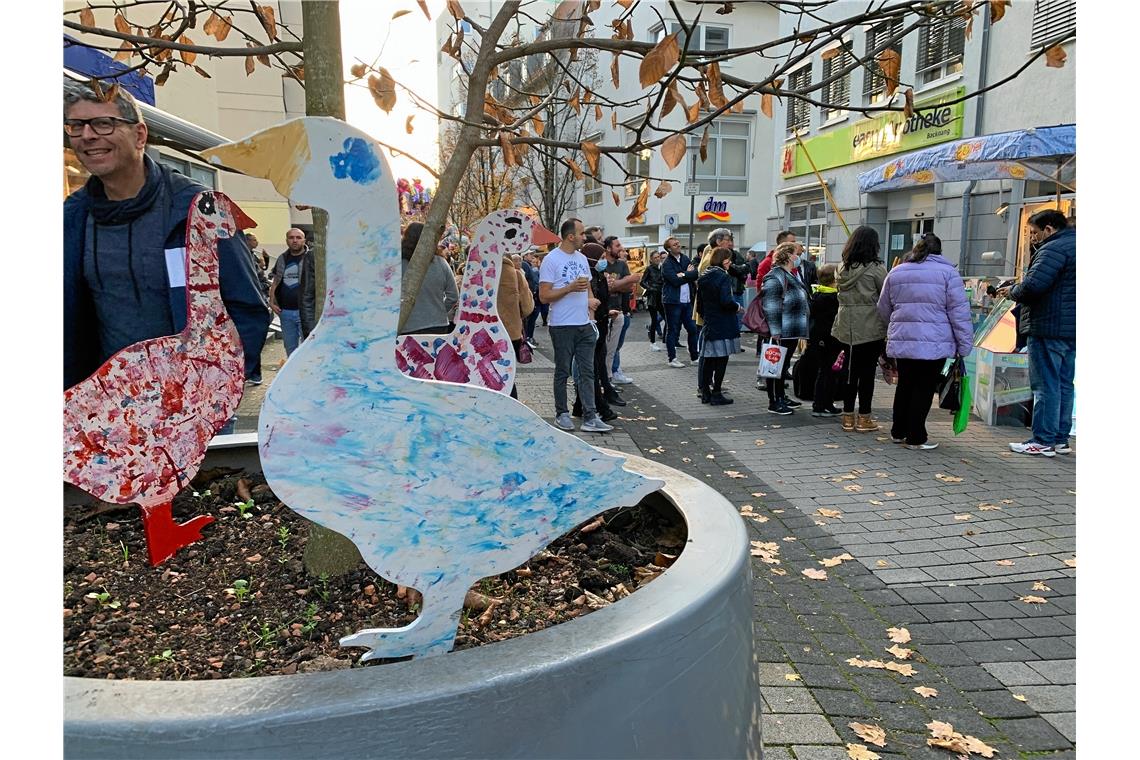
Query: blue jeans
{"points": [[678, 315], [1052, 366], [616, 367], [291, 329]]}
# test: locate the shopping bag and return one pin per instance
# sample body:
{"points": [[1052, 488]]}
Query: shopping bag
{"points": [[526, 356], [771, 361], [890, 370], [962, 416], [950, 385], [754, 318], [840, 360]]}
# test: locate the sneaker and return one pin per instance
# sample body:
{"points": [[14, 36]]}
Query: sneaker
{"points": [[656, 347], [608, 415], [1032, 447], [761, 386], [791, 402], [563, 421], [614, 399], [781, 409], [825, 412], [719, 399], [256, 380], [595, 425], [676, 363], [530, 342], [922, 446], [1062, 448], [620, 378], [897, 440]]}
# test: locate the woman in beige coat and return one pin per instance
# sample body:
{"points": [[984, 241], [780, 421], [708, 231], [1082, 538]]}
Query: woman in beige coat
{"points": [[515, 303], [858, 325]]}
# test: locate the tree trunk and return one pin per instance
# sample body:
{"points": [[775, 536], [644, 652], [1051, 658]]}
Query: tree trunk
{"points": [[457, 162], [327, 552]]}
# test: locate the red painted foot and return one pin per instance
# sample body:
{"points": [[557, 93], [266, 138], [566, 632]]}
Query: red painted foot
{"points": [[164, 537]]}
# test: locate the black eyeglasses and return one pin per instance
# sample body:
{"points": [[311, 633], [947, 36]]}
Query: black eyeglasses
{"points": [[100, 125]]}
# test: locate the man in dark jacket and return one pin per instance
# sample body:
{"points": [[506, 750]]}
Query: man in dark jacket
{"points": [[1050, 291], [124, 238], [293, 291], [678, 276], [651, 281]]}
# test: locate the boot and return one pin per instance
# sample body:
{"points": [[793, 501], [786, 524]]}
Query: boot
{"points": [[848, 422], [866, 424], [719, 399], [705, 395]]}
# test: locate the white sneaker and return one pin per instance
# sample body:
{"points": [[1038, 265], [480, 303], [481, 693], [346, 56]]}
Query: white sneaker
{"points": [[922, 446], [656, 347], [564, 421], [1062, 448], [595, 425], [1032, 447], [620, 378], [676, 363]]}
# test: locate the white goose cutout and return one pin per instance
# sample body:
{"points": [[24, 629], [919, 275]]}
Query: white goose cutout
{"points": [[437, 484]]}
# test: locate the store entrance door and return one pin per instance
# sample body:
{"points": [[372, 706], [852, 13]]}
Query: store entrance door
{"points": [[902, 236]]}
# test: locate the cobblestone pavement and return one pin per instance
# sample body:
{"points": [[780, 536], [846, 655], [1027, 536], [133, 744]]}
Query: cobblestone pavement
{"points": [[946, 543]]}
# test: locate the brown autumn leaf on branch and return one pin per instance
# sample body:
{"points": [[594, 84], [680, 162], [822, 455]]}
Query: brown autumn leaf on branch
{"points": [[408, 123], [908, 103], [187, 56], [658, 61], [222, 27], [87, 17], [663, 189], [673, 150], [617, 199], [1055, 57], [624, 3], [383, 89], [574, 103], [267, 19], [122, 26], [539, 126], [358, 70], [830, 53], [889, 63], [716, 86], [399, 13], [641, 204], [870, 733], [251, 64], [705, 145], [508, 149], [614, 71], [693, 112], [997, 10], [592, 154], [455, 9], [578, 175], [670, 101], [597, 112], [424, 8]]}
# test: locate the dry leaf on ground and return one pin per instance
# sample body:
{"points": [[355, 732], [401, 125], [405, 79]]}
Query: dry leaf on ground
{"points": [[855, 662], [816, 574], [1020, 697], [1039, 586], [860, 752], [837, 560], [778, 571], [870, 733], [791, 677], [901, 652], [853, 488], [876, 502], [944, 736], [948, 478], [1004, 563], [733, 474], [898, 635], [963, 517], [1032, 599], [984, 507], [882, 563], [1071, 562], [925, 691], [890, 494], [903, 669], [710, 456], [829, 512], [789, 539], [831, 445]]}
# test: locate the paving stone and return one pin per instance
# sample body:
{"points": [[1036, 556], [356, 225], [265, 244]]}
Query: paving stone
{"points": [[1050, 699], [896, 716], [827, 676], [1033, 734], [791, 700], [1057, 671], [958, 632], [1015, 673], [776, 753], [798, 729], [1065, 723], [1001, 704], [842, 702], [943, 654], [804, 752], [1049, 648], [970, 678], [1003, 629], [998, 651], [772, 674], [904, 575], [966, 721], [936, 613]]}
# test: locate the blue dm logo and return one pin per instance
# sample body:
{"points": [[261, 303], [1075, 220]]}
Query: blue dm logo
{"points": [[358, 162]]}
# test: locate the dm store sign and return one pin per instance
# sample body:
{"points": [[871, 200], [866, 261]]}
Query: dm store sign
{"points": [[714, 211]]}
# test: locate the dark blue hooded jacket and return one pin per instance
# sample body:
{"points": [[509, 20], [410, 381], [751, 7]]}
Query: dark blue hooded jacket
{"points": [[1050, 287], [168, 195]]}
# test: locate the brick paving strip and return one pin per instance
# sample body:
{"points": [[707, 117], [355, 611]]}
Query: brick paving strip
{"points": [[1004, 669]]}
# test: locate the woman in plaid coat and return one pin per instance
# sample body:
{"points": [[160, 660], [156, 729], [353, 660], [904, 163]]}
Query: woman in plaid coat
{"points": [[787, 306]]}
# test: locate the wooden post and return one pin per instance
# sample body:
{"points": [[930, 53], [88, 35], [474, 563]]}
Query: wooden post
{"points": [[826, 192]]}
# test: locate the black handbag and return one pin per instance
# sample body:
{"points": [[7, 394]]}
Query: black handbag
{"points": [[950, 386]]}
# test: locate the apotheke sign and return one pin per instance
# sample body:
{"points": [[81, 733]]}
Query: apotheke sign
{"points": [[934, 121]]}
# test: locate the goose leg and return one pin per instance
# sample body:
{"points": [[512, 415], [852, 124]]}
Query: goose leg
{"points": [[164, 537], [432, 633]]}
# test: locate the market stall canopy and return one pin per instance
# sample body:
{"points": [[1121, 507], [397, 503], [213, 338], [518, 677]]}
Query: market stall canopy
{"points": [[1046, 154], [542, 236]]}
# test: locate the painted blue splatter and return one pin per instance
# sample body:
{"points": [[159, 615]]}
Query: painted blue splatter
{"points": [[358, 162]]}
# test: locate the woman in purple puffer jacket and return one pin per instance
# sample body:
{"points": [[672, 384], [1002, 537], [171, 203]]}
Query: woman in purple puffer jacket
{"points": [[928, 321]]}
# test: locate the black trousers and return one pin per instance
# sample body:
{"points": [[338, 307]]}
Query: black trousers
{"points": [[777, 388], [712, 371], [824, 394], [913, 398], [602, 384], [860, 375]]}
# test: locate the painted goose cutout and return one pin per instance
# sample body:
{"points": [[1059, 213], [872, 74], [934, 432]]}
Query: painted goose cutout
{"points": [[437, 484], [478, 351], [135, 432]]}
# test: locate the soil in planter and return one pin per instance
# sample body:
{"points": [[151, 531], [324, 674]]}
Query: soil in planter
{"points": [[240, 603]]}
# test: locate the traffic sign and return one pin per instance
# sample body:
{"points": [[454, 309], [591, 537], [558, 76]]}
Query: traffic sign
{"points": [[692, 188]]}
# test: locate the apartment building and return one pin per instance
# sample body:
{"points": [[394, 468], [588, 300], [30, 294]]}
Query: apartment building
{"points": [[980, 223], [229, 103]]}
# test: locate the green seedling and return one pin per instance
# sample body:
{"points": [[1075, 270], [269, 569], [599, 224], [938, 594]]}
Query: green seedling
{"points": [[244, 508], [166, 656], [323, 591], [202, 495], [283, 536], [104, 599], [310, 619], [240, 589], [126, 552]]}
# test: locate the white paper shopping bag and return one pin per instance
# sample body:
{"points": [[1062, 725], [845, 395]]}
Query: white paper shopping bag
{"points": [[771, 361]]}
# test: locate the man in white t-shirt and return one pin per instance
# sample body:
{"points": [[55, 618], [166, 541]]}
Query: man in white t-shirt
{"points": [[564, 283]]}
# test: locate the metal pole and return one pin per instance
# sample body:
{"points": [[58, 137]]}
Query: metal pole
{"points": [[692, 202]]}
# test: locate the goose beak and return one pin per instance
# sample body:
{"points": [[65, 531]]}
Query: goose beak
{"points": [[278, 154]]}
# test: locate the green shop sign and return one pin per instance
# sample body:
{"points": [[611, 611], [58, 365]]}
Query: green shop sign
{"points": [[932, 123]]}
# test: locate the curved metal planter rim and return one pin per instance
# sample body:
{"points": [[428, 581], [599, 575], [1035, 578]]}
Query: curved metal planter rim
{"points": [[666, 671]]}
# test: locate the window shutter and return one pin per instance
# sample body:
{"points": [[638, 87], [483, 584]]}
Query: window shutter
{"points": [[873, 81], [941, 42], [1052, 20], [799, 112]]}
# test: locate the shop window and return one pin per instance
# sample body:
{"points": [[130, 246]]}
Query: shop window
{"points": [[808, 222], [1052, 21], [941, 44], [592, 188], [196, 172], [725, 168], [799, 112], [837, 94], [874, 83], [705, 37]]}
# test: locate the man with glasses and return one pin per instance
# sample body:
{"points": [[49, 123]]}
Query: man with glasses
{"points": [[124, 238]]}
